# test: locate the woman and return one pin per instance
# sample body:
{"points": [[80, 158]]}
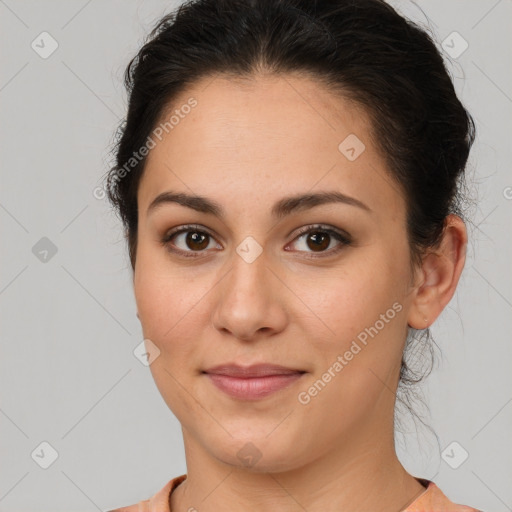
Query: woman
{"points": [[288, 180]]}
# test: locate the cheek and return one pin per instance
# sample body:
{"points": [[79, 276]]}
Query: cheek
{"points": [[170, 301], [359, 356], [166, 301], [158, 294], [352, 298], [362, 315]]}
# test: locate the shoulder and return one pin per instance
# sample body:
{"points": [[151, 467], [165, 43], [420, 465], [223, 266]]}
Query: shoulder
{"points": [[130, 508], [142, 506], [158, 502], [434, 500]]}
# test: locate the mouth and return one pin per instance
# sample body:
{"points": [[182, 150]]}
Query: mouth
{"points": [[252, 382]]}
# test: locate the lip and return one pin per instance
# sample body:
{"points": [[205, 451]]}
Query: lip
{"points": [[254, 370], [252, 382]]}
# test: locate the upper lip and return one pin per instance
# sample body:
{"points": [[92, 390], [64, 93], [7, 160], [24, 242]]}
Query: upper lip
{"points": [[255, 370]]}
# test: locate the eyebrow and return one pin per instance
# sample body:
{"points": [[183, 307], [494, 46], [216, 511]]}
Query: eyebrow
{"points": [[281, 208]]}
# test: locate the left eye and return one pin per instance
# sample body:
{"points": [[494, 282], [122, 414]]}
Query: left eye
{"points": [[319, 239]]}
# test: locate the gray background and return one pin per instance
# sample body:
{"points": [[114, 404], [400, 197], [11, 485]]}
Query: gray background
{"points": [[67, 371]]}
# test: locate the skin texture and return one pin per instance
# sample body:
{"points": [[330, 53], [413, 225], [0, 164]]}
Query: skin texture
{"points": [[247, 145]]}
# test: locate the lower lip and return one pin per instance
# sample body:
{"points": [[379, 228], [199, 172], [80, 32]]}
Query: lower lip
{"points": [[252, 388]]}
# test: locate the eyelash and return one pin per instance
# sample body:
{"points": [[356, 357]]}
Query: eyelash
{"points": [[316, 228]]}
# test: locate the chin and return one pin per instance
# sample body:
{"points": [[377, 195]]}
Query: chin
{"points": [[258, 453]]}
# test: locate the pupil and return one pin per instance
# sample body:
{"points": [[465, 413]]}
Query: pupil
{"points": [[193, 238], [319, 243]]}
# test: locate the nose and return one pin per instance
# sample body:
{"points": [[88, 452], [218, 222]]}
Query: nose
{"points": [[250, 300]]}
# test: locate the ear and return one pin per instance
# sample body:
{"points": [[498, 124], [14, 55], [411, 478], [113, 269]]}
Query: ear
{"points": [[439, 275]]}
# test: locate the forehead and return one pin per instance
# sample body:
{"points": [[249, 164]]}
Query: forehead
{"points": [[279, 135]]}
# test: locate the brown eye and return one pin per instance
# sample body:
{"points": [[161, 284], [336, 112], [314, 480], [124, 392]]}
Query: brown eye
{"points": [[187, 241], [317, 239], [195, 240]]}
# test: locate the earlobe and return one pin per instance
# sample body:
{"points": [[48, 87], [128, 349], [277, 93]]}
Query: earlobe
{"points": [[441, 269]]}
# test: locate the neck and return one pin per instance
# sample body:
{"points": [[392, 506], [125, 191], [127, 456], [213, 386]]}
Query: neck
{"points": [[363, 474]]}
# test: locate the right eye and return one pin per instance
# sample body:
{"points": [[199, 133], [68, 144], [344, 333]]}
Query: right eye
{"points": [[192, 239]]}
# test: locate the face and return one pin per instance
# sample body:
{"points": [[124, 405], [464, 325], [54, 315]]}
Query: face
{"points": [[321, 287]]}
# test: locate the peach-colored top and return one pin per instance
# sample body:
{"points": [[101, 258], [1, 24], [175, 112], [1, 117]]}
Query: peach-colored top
{"points": [[431, 500]]}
